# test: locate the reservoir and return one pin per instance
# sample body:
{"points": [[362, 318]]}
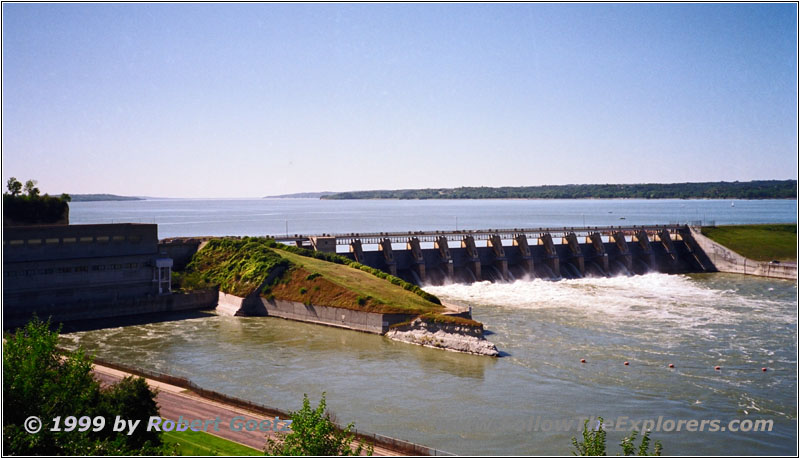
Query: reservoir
{"points": [[478, 405]]}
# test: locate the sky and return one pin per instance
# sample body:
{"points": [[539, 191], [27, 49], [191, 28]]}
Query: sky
{"points": [[250, 100]]}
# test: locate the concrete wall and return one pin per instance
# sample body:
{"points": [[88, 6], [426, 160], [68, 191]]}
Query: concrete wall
{"points": [[202, 299], [181, 250], [639, 260], [727, 261], [369, 322], [70, 268], [54, 242]]}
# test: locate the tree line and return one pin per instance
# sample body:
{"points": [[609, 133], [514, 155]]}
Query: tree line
{"points": [[757, 189]]}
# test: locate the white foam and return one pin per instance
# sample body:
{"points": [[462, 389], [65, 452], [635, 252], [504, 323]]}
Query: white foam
{"points": [[656, 299]]}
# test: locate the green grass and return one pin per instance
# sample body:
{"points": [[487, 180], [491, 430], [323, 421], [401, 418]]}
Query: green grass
{"points": [[363, 284], [238, 266], [758, 242], [190, 443]]}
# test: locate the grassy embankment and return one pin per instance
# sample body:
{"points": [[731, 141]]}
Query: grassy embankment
{"points": [[239, 266], [757, 242], [190, 443]]}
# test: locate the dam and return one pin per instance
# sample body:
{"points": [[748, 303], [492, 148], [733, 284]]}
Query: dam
{"points": [[498, 255]]}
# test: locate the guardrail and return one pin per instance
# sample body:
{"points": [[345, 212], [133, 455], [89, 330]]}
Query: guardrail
{"points": [[394, 444], [480, 234]]}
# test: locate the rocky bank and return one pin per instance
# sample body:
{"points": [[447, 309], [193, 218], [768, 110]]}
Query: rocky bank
{"points": [[449, 336]]}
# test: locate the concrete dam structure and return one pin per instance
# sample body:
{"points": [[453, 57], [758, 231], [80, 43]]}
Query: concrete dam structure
{"points": [[505, 255]]}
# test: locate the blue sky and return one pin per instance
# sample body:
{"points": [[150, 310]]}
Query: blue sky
{"points": [[220, 100]]}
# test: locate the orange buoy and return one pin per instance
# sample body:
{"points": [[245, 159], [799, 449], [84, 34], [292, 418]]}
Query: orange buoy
{"points": [[671, 365], [764, 369], [583, 360], [717, 367], [626, 363]]}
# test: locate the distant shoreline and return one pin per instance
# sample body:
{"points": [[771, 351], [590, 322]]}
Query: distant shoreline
{"points": [[103, 197], [753, 190]]}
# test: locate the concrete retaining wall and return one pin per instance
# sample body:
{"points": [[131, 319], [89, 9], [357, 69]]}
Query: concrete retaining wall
{"points": [[728, 261], [369, 322], [201, 299]]}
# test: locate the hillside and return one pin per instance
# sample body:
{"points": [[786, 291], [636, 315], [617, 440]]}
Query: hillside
{"points": [[240, 266], [760, 189]]}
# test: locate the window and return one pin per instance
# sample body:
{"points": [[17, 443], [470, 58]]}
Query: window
{"points": [[68, 240], [16, 242], [34, 241], [87, 238], [102, 238], [51, 240], [118, 238]]}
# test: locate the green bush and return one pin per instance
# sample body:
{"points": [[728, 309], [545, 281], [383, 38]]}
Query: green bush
{"points": [[303, 290], [35, 209], [315, 434], [39, 381], [594, 443]]}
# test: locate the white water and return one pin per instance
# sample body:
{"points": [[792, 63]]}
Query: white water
{"points": [[652, 301]]}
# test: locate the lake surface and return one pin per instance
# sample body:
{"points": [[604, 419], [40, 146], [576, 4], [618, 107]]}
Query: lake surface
{"points": [[254, 217], [479, 405]]}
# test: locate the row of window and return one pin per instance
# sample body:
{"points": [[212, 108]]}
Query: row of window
{"points": [[71, 269], [37, 242]]}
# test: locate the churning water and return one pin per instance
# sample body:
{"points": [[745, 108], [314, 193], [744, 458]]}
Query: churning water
{"points": [[479, 405]]}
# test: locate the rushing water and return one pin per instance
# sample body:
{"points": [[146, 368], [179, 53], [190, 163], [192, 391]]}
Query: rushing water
{"points": [[479, 405]]}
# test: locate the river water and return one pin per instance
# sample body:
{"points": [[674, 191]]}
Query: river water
{"points": [[477, 405]]}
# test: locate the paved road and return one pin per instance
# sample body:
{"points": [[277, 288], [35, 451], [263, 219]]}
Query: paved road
{"points": [[175, 402]]}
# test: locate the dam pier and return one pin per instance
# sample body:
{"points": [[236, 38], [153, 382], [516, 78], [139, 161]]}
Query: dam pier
{"points": [[499, 255]]}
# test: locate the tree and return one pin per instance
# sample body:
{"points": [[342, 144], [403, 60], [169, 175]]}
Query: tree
{"points": [[14, 186], [315, 434], [30, 188], [39, 381]]}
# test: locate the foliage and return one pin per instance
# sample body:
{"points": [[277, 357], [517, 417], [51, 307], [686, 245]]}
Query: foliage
{"points": [[629, 447], [757, 189], [14, 186], [31, 208], [315, 434], [757, 242], [339, 259], [594, 443], [31, 189], [237, 266], [38, 381]]}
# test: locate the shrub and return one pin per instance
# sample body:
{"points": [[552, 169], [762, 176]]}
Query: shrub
{"points": [[594, 443], [315, 434], [313, 276], [38, 381], [303, 290]]}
